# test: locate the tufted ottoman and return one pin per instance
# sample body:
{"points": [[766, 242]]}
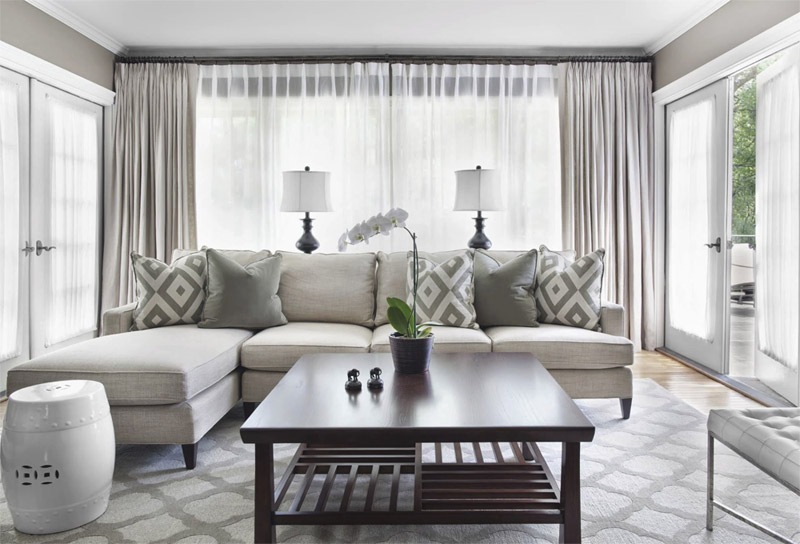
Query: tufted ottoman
{"points": [[767, 437]]}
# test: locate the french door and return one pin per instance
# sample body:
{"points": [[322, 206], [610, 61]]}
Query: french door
{"points": [[697, 180], [50, 202], [14, 224]]}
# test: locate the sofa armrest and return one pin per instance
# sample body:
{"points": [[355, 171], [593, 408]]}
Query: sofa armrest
{"points": [[117, 320], [612, 318]]}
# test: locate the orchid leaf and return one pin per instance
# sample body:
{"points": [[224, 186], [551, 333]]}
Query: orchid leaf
{"points": [[424, 333], [399, 321]]}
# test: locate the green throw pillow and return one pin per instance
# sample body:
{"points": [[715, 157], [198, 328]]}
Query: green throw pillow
{"points": [[244, 297], [504, 292]]}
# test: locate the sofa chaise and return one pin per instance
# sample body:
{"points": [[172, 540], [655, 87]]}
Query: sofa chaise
{"points": [[170, 385]]}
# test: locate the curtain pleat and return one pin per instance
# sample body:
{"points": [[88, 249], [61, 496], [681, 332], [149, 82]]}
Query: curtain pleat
{"points": [[607, 180], [777, 206], [149, 204]]}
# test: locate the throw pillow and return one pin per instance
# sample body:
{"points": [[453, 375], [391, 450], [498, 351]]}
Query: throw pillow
{"points": [[568, 293], [445, 292], [168, 294], [504, 293], [240, 296]]}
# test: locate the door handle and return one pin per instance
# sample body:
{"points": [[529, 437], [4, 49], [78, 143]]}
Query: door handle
{"points": [[28, 249], [717, 244], [40, 247]]}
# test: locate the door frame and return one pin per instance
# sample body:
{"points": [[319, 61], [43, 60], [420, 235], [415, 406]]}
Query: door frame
{"points": [[768, 42]]}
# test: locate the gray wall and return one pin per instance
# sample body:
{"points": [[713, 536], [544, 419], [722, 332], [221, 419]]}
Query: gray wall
{"points": [[730, 26], [32, 30]]}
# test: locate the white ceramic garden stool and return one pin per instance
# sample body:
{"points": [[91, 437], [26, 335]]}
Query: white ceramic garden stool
{"points": [[57, 455]]}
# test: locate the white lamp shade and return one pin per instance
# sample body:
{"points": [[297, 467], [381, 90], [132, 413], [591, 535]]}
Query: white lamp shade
{"points": [[306, 191], [477, 190]]}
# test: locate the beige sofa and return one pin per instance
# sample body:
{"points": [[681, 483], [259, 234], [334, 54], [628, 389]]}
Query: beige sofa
{"points": [[172, 384]]}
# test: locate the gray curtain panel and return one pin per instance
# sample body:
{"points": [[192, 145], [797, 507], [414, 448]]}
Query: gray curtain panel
{"points": [[606, 111], [149, 198]]}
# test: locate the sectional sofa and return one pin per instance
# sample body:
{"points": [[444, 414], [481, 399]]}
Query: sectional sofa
{"points": [[170, 385]]}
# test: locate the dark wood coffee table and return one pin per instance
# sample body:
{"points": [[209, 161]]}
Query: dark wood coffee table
{"points": [[474, 402]]}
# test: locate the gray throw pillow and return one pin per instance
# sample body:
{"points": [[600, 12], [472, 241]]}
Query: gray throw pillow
{"points": [[244, 297], [445, 292], [568, 293], [504, 293], [168, 294]]}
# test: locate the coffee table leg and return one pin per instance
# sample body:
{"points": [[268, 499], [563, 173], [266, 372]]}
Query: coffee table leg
{"points": [[570, 530], [264, 495]]}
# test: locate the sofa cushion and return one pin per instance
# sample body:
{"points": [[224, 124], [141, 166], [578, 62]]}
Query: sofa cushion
{"points": [[278, 348], [559, 346], [446, 291], [391, 278], [328, 288], [155, 366], [447, 340], [504, 291]]}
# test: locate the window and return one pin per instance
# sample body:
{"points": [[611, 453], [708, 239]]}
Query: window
{"points": [[385, 145]]}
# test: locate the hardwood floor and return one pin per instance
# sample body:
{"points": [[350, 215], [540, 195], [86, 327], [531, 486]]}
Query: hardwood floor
{"points": [[687, 384], [692, 387]]}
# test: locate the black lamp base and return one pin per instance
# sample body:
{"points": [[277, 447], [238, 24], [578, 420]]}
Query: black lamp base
{"points": [[479, 240], [307, 243]]}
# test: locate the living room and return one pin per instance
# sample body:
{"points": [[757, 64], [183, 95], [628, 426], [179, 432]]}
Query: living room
{"points": [[400, 270]]}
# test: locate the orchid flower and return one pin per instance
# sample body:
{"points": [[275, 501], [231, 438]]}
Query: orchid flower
{"points": [[401, 316]]}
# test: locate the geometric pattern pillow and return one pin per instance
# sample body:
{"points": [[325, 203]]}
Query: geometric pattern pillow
{"points": [[568, 293], [446, 292], [168, 295]]}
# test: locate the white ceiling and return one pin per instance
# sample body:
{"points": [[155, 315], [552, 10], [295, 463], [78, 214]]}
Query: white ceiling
{"points": [[403, 26]]}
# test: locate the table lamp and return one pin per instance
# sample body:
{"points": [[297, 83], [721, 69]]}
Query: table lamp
{"points": [[306, 191], [478, 190]]}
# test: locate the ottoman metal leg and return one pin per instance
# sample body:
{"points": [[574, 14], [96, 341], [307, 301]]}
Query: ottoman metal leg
{"points": [[710, 485]]}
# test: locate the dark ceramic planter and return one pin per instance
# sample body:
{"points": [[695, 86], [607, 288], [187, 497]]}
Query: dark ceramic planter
{"points": [[411, 355]]}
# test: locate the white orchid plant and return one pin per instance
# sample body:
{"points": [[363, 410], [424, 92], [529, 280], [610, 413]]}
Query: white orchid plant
{"points": [[401, 316]]}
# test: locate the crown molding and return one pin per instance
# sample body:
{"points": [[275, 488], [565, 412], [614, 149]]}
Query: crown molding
{"points": [[80, 25], [32, 66], [669, 37]]}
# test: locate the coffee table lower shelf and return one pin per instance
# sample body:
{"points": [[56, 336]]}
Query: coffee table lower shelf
{"points": [[336, 485]]}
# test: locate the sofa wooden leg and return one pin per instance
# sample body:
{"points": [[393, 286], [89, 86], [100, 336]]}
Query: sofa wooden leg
{"points": [[190, 455], [625, 406], [249, 408]]}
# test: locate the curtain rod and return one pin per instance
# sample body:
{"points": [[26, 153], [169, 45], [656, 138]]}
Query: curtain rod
{"points": [[400, 59]]}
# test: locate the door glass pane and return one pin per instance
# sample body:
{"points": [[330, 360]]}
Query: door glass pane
{"points": [[778, 208], [74, 177], [689, 167], [10, 253]]}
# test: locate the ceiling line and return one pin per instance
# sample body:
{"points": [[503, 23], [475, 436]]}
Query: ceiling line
{"points": [[80, 25]]}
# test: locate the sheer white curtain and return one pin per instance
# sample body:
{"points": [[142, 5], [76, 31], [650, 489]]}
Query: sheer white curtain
{"points": [[255, 121], [9, 220], [456, 116], [689, 163], [778, 208], [74, 178]]}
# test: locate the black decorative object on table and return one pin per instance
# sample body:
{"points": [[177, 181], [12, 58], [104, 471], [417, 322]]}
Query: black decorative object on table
{"points": [[352, 383], [375, 382]]}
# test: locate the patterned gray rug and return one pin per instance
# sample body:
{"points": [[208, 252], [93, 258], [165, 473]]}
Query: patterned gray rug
{"points": [[643, 481]]}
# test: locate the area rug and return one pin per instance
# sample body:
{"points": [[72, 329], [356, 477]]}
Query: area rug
{"points": [[643, 481]]}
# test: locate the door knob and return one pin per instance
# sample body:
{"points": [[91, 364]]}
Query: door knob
{"points": [[28, 249], [40, 247], [717, 244]]}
